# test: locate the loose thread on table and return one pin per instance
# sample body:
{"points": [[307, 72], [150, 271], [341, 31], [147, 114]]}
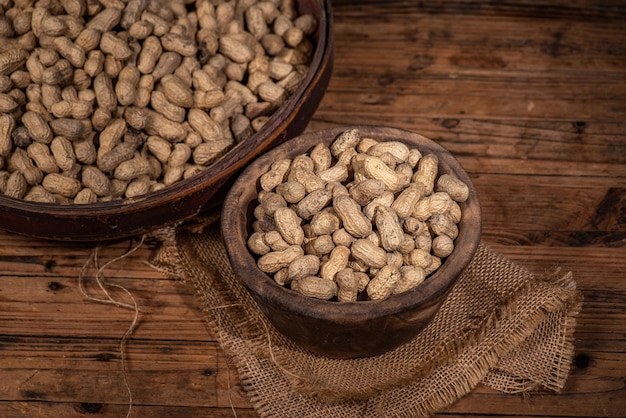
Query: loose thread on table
{"points": [[99, 278], [273, 358], [268, 336], [269, 342], [219, 330]]}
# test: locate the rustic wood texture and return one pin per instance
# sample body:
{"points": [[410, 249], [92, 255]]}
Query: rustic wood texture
{"points": [[531, 98]]}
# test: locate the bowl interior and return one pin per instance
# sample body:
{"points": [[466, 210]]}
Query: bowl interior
{"points": [[237, 219], [186, 198]]}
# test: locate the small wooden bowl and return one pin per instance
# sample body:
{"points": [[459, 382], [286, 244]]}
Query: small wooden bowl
{"points": [[345, 329], [185, 199]]}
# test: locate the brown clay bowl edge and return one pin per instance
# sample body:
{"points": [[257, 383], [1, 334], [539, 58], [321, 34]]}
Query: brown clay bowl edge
{"points": [[236, 214]]}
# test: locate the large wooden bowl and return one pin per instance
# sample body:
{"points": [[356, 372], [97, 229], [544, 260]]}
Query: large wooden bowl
{"points": [[185, 199], [346, 329]]}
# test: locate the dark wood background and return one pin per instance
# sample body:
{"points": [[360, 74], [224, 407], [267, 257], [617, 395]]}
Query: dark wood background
{"points": [[531, 98]]}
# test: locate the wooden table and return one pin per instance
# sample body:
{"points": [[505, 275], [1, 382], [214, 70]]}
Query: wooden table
{"points": [[529, 95]]}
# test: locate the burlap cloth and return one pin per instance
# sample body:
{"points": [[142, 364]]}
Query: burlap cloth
{"points": [[501, 326]]}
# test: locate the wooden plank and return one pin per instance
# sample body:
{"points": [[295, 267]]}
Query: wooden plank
{"points": [[373, 10], [44, 409], [178, 373], [168, 308], [545, 203], [517, 147], [593, 404]]}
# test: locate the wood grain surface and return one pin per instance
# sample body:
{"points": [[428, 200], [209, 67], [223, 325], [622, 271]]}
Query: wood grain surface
{"points": [[530, 96]]}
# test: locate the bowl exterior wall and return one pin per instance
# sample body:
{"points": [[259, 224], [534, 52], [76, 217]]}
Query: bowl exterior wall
{"points": [[340, 338]]}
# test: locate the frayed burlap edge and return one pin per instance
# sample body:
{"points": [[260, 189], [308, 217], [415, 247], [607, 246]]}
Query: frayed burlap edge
{"points": [[256, 352]]}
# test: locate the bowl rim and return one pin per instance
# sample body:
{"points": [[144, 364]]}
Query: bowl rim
{"points": [[221, 170], [235, 233]]}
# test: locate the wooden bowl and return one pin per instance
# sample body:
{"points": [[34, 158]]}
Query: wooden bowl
{"points": [[124, 218], [345, 329]]}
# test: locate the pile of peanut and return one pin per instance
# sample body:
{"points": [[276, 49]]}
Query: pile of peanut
{"points": [[357, 220], [112, 99]]}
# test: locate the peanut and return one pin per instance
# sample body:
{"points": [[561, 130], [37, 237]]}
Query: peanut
{"points": [[7, 125], [115, 46], [175, 167], [367, 190], [21, 161], [291, 191], [38, 128], [288, 224], [275, 260], [127, 85], [39, 194], [436, 203], [271, 202], [40, 154], [275, 241], [203, 124], [70, 51], [442, 246], [133, 168], [85, 196], [324, 222], [176, 91], [11, 60], [313, 203], [16, 185], [96, 180], [7, 103], [208, 152], [405, 202], [138, 186], [70, 128], [307, 177], [305, 265], [397, 149], [420, 258], [385, 199], [276, 174], [353, 219], [337, 261], [454, 187], [441, 224], [410, 277], [347, 284], [389, 228], [370, 254], [435, 263], [161, 104], [426, 173], [375, 168], [383, 283], [256, 244], [85, 151], [62, 185], [341, 237], [315, 287], [346, 140], [320, 245]]}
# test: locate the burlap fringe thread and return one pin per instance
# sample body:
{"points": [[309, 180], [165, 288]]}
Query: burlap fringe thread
{"points": [[501, 326]]}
